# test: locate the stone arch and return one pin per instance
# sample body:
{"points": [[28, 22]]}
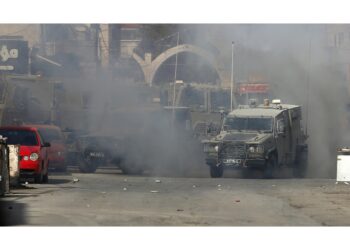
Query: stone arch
{"points": [[160, 59], [143, 65]]}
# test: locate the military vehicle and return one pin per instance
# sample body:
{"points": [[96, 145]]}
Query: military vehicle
{"points": [[266, 137]]}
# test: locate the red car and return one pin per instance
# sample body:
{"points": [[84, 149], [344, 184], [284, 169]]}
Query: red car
{"points": [[33, 151], [57, 151]]}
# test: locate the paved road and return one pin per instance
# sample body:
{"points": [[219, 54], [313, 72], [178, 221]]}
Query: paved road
{"points": [[108, 198]]}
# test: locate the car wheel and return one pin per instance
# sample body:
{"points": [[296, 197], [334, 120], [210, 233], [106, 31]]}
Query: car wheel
{"points": [[39, 178], [46, 177], [87, 166], [270, 167], [5, 181], [300, 166], [216, 171], [130, 170]]}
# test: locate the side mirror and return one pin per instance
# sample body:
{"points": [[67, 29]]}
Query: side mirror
{"points": [[47, 144]]}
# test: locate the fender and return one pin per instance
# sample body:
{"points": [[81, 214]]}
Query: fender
{"points": [[269, 152]]}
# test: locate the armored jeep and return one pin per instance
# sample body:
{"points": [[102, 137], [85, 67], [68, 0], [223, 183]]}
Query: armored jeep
{"points": [[266, 137]]}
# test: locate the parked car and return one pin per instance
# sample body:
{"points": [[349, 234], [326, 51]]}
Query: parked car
{"points": [[33, 153], [57, 151]]}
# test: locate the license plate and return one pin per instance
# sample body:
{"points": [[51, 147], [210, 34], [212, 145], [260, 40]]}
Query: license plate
{"points": [[97, 154], [232, 161]]}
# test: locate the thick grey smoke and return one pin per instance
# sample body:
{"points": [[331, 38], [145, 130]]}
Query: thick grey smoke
{"points": [[295, 61]]}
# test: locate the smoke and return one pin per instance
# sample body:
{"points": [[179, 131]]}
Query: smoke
{"points": [[125, 110], [295, 60]]}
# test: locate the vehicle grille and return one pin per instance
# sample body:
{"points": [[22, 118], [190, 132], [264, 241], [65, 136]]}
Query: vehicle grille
{"points": [[233, 151]]}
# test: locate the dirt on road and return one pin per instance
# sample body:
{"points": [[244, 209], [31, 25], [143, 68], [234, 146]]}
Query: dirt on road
{"points": [[108, 198]]}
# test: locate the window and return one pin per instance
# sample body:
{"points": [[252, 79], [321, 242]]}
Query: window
{"points": [[21, 137]]}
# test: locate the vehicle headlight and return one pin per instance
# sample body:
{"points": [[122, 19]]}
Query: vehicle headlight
{"points": [[209, 147], [259, 149], [34, 156]]}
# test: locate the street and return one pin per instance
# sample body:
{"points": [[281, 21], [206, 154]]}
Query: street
{"points": [[109, 198]]}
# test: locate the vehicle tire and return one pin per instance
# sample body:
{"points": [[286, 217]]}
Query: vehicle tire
{"points": [[270, 167], [216, 172], [130, 170], [246, 173], [86, 166], [5, 181], [300, 166], [46, 178], [38, 178]]}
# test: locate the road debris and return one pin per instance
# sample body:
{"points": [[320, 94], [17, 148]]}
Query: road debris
{"points": [[346, 183], [219, 185], [179, 210], [26, 183], [336, 183], [154, 191], [75, 180], [157, 181], [219, 189], [237, 200], [124, 189], [194, 186]]}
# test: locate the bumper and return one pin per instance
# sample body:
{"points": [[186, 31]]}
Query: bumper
{"points": [[29, 166], [27, 175], [243, 163]]}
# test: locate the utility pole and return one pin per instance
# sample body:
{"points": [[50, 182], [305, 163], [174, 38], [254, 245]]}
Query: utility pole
{"points": [[232, 76], [175, 75], [96, 29]]}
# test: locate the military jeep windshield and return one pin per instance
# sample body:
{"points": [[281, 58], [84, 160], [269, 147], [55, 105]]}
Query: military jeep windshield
{"points": [[263, 124]]}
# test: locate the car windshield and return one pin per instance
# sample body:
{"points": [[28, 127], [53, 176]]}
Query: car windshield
{"points": [[50, 135], [248, 123], [21, 137]]}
